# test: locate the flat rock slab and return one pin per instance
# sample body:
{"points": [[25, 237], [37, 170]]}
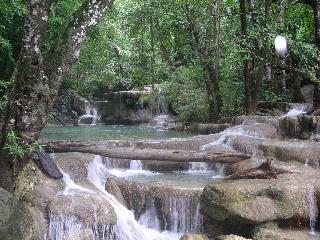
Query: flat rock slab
{"points": [[257, 201]]}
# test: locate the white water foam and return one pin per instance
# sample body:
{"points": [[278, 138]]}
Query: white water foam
{"points": [[312, 207], [128, 228], [135, 165], [71, 187], [91, 112]]}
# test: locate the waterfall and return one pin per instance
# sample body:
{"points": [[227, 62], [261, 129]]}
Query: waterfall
{"points": [[297, 109], [198, 166], [127, 227], [67, 227], [312, 207], [182, 213], [113, 163], [135, 165], [91, 115], [149, 218]]}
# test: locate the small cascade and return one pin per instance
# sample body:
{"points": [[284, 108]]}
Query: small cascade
{"points": [[67, 227], [113, 163], [182, 213], [198, 166], [135, 165], [91, 115], [149, 218], [298, 108], [218, 170], [162, 105], [228, 135], [312, 207], [306, 162], [127, 227]]}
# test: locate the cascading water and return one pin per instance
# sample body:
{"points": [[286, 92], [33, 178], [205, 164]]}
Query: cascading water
{"points": [[91, 115], [149, 218], [68, 227], [135, 165], [217, 169], [297, 110], [127, 227], [182, 213], [312, 207]]}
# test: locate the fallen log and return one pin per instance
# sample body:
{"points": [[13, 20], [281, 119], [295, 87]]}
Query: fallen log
{"points": [[264, 171], [146, 154]]}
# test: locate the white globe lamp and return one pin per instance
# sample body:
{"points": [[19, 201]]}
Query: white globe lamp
{"points": [[281, 45]]}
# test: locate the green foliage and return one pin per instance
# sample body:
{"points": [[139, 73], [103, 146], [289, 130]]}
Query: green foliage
{"points": [[150, 42], [15, 149], [186, 93]]}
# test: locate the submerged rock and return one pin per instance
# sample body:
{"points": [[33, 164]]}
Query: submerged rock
{"points": [[231, 237], [189, 236]]}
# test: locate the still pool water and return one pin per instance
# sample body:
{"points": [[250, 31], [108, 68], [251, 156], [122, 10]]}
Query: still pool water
{"points": [[107, 132]]}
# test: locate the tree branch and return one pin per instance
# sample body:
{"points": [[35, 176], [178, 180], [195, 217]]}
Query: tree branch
{"points": [[61, 57]]}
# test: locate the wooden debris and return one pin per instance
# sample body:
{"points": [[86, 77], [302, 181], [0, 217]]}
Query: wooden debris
{"points": [[263, 171]]}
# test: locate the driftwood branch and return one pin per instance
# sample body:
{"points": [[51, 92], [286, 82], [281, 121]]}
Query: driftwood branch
{"points": [[166, 155], [263, 171]]}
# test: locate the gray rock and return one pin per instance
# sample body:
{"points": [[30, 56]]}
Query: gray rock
{"points": [[301, 127], [18, 221], [80, 104], [252, 202], [189, 236], [307, 92]]}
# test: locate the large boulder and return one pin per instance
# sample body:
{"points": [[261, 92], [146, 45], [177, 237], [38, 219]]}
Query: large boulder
{"points": [[86, 208], [301, 127], [18, 221], [48, 198], [292, 150], [254, 201], [80, 104], [307, 92]]}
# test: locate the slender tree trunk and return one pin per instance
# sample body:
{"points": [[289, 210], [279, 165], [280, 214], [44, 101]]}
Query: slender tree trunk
{"points": [[246, 62], [38, 79], [210, 67], [193, 31], [317, 40], [317, 22]]}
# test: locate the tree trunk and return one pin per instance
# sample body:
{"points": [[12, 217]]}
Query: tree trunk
{"points": [[38, 79], [148, 153], [317, 22], [210, 68], [246, 62]]}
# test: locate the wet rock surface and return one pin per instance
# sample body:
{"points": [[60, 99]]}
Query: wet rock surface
{"points": [[168, 202], [86, 208], [301, 127], [189, 236], [255, 201], [231, 237]]}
